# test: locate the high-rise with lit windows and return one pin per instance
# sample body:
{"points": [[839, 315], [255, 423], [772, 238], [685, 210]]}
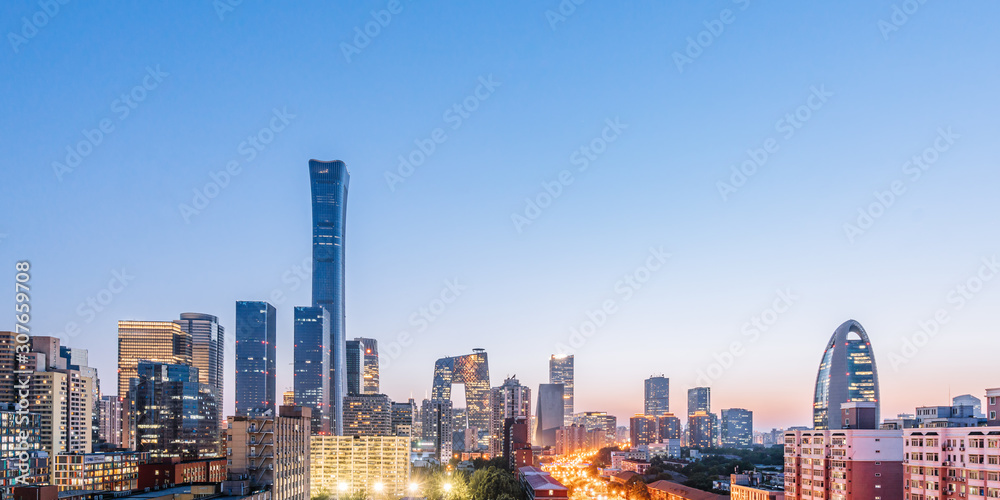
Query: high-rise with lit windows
{"points": [[208, 351], [847, 373], [561, 372], [656, 395], [312, 364], [256, 336], [329, 182], [158, 341]]}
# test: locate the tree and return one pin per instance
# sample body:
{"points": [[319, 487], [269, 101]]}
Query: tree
{"points": [[635, 489], [491, 482]]}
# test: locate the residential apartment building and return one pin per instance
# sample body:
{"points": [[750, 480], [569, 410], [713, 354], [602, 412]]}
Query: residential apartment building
{"points": [[114, 471], [343, 465], [272, 451], [951, 463], [844, 464]]}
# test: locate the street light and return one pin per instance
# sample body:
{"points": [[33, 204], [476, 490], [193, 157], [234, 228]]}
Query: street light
{"points": [[414, 487], [379, 487], [447, 487]]}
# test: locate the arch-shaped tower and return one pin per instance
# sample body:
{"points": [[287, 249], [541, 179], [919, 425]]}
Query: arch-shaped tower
{"points": [[847, 373]]}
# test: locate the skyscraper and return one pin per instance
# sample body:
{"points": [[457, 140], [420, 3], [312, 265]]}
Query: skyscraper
{"points": [[642, 430], [208, 351], [548, 414], [700, 430], [312, 364], [436, 417], [174, 413], [847, 373], [507, 401], [668, 427], [8, 344], [473, 370], [561, 372], [367, 415], [329, 182], [737, 428], [161, 341], [256, 339], [369, 370], [354, 363], [699, 399], [657, 396]]}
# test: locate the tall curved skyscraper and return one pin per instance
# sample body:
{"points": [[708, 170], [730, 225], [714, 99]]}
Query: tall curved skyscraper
{"points": [[329, 180], [847, 374]]}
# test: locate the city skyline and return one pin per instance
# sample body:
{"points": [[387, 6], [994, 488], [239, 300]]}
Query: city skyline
{"points": [[111, 241]]}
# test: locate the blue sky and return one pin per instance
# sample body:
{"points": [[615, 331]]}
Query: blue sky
{"points": [[221, 79]]}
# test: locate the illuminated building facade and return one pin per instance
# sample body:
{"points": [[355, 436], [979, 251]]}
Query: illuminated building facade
{"points": [[507, 401], [272, 451], [847, 373], [312, 364], [113, 471], [473, 371], [656, 396], [700, 430], [158, 341], [561, 372], [377, 466], [111, 420], [668, 427], [642, 430], [844, 464], [256, 348], [436, 425], [329, 181], [367, 415], [599, 420], [63, 400], [13, 427], [174, 412], [208, 351], [737, 428]]}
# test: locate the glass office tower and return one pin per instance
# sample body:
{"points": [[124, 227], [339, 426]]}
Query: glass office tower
{"points": [[699, 399], [847, 373], [208, 351], [312, 364], [561, 372], [354, 363], [473, 370], [256, 338], [737, 428], [369, 372], [329, 181], [174, 413], [163, 341], [657, 396]]}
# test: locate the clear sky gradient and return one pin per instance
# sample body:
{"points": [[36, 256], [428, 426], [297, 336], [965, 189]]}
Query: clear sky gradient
{"points": [[880, 95]]}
